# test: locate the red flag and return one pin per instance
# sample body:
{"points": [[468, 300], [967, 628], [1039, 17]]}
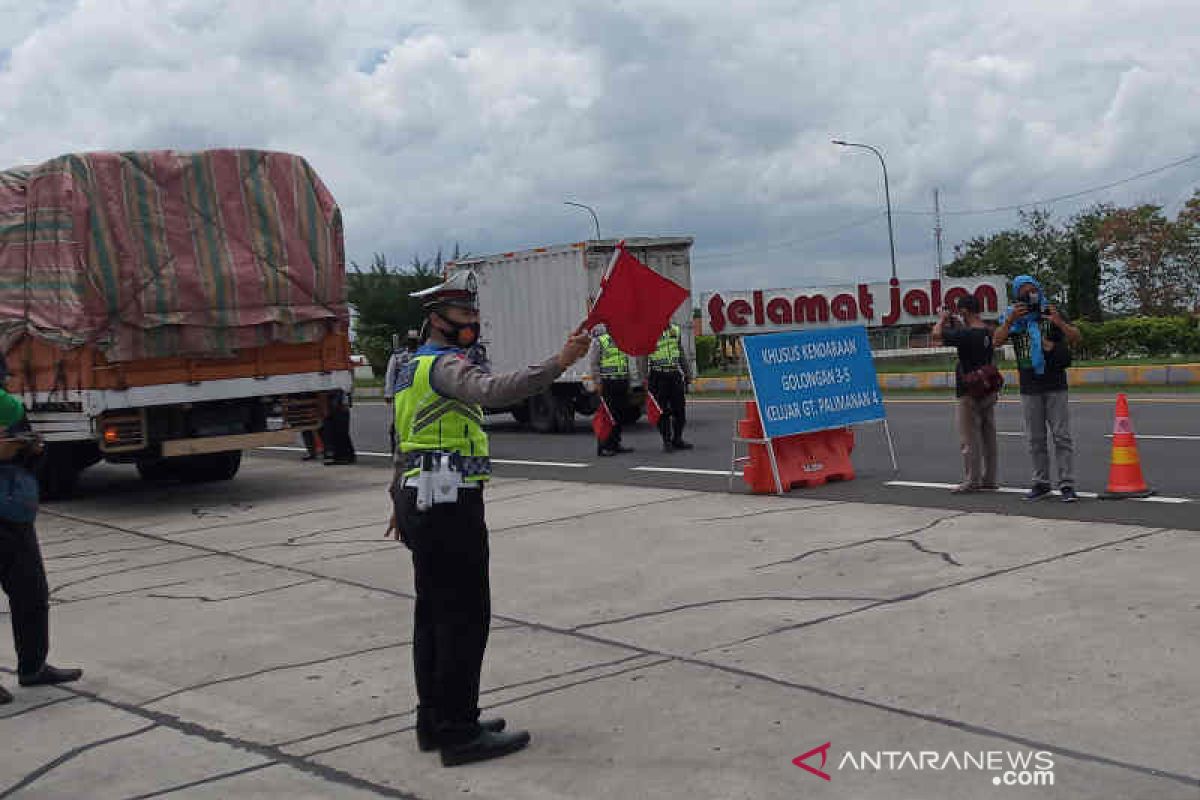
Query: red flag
{"points": [[603, 423], [635, 303], [653, 409]]}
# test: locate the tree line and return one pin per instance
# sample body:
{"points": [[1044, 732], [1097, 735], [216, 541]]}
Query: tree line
{"points": [[1104, 261]]}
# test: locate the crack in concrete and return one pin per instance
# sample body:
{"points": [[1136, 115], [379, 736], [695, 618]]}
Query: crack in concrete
{"points": [[257, 593], [37, 707], [87, 553], [482, 693], [904, 598], [243, 522], [73, 753], [501, 704], [920, 548], [597, 512], [792, 510], [862, 542], [268, 752], [54, 591], [80, 567], [717, 666], [211, 779], [278, 668], [707, 603]]}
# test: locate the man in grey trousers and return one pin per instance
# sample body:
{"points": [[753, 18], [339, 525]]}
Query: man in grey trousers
{"points": [[1042, 338]]}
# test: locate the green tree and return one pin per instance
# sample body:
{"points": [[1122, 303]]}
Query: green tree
{"points": [[380, 295], [1083, 281], [1038, 246], [1151, 262]]}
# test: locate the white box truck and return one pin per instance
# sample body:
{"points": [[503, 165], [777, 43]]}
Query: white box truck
{"points": [[529, 301]]}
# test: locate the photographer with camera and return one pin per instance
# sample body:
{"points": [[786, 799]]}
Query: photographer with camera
{"points": [[1042, 337], [977, 385]]}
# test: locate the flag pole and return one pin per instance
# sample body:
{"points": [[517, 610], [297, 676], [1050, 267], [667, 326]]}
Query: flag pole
{"points": [[612, 262]]}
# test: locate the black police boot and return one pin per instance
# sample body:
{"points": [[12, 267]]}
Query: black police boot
{"points": [[486, 745], [680, 444], [623, 449], [668, 447], [427, 738], [5, 697], [48, 676]]}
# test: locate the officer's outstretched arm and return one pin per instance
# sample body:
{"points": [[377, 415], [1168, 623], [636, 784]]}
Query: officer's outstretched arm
{"points": [[458, 379]]}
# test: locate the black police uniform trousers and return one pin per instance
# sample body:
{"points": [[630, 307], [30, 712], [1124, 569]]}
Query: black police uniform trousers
{"points": [[670, 390], [335, 434], [23, 578], [616, 394], [449, 545]]}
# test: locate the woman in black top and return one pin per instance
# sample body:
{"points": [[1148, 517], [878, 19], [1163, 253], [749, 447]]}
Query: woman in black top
{"points": [[976, 415]]}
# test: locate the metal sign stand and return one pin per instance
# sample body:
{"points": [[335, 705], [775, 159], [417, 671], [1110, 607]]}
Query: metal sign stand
{"points": [[766, 440], [736, 460]]}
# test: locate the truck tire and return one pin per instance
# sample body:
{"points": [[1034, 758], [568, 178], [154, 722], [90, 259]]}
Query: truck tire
{"points": [[192, 469], [211, 467], [564, 415], [521, 414], [542, 417]]}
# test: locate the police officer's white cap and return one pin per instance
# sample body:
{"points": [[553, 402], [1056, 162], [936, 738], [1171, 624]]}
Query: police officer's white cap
{"points": [[457, 290]]}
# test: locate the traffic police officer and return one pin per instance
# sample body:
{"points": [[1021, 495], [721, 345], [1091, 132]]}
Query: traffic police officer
{"points": [[439, 401], [607, 361], [670, 372]]}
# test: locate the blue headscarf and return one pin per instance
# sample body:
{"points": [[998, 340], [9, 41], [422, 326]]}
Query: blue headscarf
{"points": [[1030, 323]]}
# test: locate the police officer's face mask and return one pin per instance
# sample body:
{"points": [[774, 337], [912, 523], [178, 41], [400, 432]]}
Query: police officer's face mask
{"points": [[463, 334]]}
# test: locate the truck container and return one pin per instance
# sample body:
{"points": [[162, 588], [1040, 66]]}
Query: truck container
{"points": [[170, 310], [531, 300]]}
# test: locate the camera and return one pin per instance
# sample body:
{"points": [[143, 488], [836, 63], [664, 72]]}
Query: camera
{"points": [[1032, 307]]}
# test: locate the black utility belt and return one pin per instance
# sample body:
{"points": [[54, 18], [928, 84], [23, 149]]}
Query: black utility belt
{"points": [[467, 466]]}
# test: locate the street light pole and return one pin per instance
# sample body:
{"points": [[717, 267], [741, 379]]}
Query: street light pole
{"points": [[887, 195], [591, 210]]}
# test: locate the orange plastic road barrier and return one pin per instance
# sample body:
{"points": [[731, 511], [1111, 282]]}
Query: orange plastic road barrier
{"points": [[805, 459], [1125, 475]]}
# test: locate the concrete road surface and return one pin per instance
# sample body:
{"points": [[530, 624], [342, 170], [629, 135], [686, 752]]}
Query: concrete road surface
{"points": [[252, 639]]}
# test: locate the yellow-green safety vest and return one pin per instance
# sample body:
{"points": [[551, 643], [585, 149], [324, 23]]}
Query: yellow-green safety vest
{"points": [[613, 363], [426, 422], [668, 353]]}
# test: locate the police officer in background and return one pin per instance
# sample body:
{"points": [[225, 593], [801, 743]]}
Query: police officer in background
{"points": [[396, 362], [670, 373], [607, 361], [439, 404]]}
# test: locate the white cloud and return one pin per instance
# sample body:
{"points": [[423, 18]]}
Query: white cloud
{"points": [[473, 122]]}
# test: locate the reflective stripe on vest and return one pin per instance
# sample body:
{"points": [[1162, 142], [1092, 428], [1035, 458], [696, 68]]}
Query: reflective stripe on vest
{"points": [[668, 354], [613, 363], [428, 422]]}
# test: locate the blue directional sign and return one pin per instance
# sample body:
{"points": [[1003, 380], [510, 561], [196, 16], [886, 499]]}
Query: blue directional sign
{"points": [[813, 380]]}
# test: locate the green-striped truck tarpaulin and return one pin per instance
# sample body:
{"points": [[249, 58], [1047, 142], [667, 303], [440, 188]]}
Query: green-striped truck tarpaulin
{"points": [[164, 253]]}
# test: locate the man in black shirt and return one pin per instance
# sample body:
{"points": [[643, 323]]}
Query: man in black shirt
{"points": [[976, 415], [1042, 337]]}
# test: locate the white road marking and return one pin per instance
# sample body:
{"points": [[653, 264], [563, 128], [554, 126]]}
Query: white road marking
{"points": [[1163, 437], [682, 471], [517, 463], [1013, 490]]}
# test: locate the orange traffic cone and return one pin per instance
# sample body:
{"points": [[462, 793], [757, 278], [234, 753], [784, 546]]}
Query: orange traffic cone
{"points": [[1125, 476]]}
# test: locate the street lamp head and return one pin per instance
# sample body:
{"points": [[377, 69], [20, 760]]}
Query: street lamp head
{"points": [[839, 141]]}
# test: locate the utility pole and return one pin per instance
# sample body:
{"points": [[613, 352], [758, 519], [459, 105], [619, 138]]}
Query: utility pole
{"points": [[937, 231]]}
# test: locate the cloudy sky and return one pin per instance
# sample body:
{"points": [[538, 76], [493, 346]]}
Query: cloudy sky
{"points": [[437, 122]]}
